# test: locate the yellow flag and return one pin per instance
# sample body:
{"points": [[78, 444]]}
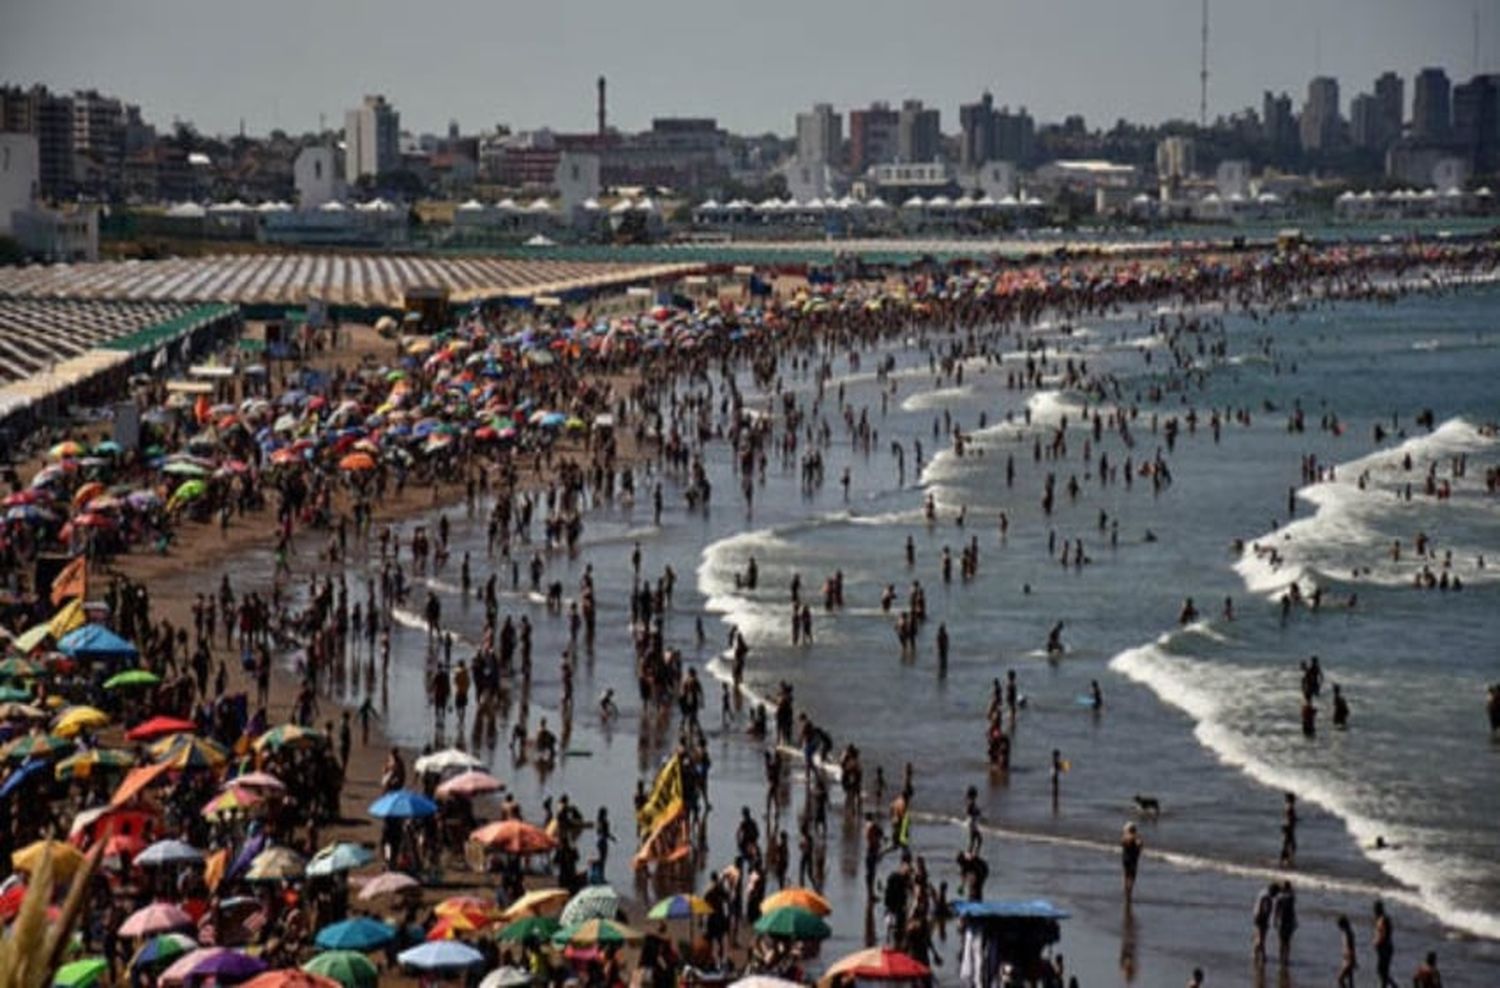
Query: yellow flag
{"points": [[666, 795], [70, 617]]}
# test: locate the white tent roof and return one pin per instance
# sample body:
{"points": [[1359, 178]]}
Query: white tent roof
{"points": [[877, 203], [375, 206], [710, 206], [232, 206], [1141, 199], [940, 201], [813, 203], [1268, 198], [592, 205], [506, 204], [768, 205], [540, 241], [472, 206], [915, 202], [1009, 202], [985, 202], [623, 206], [646, 205], [964, 201], [333, 206], [540, 205], [274, 207], [1030, 200], [187, 210]]}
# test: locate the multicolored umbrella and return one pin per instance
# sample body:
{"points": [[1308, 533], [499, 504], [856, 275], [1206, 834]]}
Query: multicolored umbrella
{"points": [[878, 964], [289, 736], [35, 746], [185, 751], [87, 764], [538, 902], [597, 933], [530, 928], [223, 965], [164, 948], [795, 895], [680, 907], [235, 799]]}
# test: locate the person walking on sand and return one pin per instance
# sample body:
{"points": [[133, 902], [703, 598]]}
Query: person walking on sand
{"points": [[1385, 947], [1348, 962], [1284, 915], [1262, 922], [1131, 846]]}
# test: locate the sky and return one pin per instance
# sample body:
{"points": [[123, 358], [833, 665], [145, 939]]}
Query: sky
{"points": [[753, 65]]}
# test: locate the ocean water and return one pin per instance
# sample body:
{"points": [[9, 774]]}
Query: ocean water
{"points": [[1204, 716]]}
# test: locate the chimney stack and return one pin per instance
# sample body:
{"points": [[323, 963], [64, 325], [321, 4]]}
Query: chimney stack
{"points": [[601, 107]]}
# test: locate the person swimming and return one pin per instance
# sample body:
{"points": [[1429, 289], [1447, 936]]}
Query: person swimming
{"points": [[1054, 640]]}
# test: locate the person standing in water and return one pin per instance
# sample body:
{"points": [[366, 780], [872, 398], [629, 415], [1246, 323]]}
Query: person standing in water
{"points": [[1289, 831], [1384, 943], [1348, 963], [1131, 846]]}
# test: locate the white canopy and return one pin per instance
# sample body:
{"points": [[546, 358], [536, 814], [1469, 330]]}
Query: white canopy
{"points": [[472, 206], [915, 202], [187, 210]]}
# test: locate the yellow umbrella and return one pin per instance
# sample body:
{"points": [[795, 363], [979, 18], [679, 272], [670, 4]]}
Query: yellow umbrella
{"points": [[537, 902], [66, 858], [75, 719], [797, 897], [189, 751]]}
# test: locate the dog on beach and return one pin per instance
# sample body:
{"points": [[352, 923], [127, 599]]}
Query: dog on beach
{"points": [[1148, 806]]}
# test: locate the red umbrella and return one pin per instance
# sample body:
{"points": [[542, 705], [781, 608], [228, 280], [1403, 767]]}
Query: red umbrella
{"points": [[158, 727], [514, 837], [879, 964]]}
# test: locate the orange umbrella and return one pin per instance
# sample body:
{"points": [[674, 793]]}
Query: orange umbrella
{"points": [[136, 782], [87, 493], [289, 977], [799, 898], [513, 837], [357, 461]]}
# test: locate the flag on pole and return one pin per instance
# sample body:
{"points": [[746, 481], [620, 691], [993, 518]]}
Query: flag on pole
{"points": [[71, 581], [668, 842], [67, 619], [666, 795]]}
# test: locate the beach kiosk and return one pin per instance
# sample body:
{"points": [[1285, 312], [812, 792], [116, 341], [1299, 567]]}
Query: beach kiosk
{"points": [[1003, 941]]}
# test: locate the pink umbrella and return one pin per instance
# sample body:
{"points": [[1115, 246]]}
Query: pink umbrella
{"points": [[471, 783], [387, 884], [159, 917], [256, 780]]}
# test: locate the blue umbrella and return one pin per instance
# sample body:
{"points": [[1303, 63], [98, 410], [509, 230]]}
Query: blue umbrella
{"points": [[96, 642], [441, 955], [335, 858], [361, 933], [18, 778], [402, 804]]}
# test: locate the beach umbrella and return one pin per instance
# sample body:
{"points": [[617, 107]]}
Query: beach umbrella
{"points": [[764, 981], [159, 727], [538, 902], [506, 977], [340, 857], [19, 669], [164, 948], [357, 462], [593, 902], [680, 907], [276, 864], [597, 933], [223, 965], [256, 781], [530, 928], [470, 784], [189, 751], [136, 782], [514, 837], [447, 760], [67, 449], [802, 898], [14, 694], [387, 883], [159, 917], [83, 973], [21, 711], [402, 804], [440, 955], [349, 968], [86, 764], [76, 719], [235, 799], [467, 912], [878, 964], [359, 933], [20, 776], [168, 852], [289, 977], [130, 678], [288, 736], [792, 923], [31, 639], [35, 745], [185, 468], [96, 643]]}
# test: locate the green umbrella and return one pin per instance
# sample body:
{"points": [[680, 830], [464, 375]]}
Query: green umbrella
{"points": [[530, 928], [793, 923], [14, 694], [596, 933], [189, 490], [161, 950], [36, 746], [81, 974], [19, 669], [347, 967], [132, 677]]}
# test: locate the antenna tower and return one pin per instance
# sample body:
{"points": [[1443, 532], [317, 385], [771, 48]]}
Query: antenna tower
{"points": [[1203, 73]]}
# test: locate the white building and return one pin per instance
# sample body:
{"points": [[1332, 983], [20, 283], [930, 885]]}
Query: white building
{"points": [[372, 139], [576, 180], [996, 179], [820, 135], [316, 176], [52, 235], [20, 176], [1232, 179]]}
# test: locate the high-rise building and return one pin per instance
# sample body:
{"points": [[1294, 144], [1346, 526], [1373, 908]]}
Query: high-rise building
{"points": [[98, 140], [1476, 120], [1321, 125], [1365, 122], [820, 136], [1431, 109], [1279, 123], [1176, 157], [1015, 136], [49, 117], [372, 139], [977, 121], [872, 137], [919, 135], [1390, 99]]}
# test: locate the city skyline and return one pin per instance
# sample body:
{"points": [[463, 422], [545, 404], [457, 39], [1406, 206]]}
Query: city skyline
{"points": [[155, 53]]}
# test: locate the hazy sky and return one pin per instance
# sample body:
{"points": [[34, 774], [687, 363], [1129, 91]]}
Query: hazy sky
{"points": [[281, 63]]}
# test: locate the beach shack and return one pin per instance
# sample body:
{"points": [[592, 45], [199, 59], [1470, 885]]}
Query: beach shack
{"points": [[1003, 942]]}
